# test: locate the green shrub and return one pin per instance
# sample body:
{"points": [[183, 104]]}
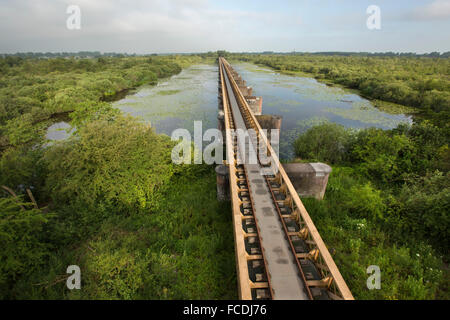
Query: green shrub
{"points": [[109, 167], [364, 201], [426, 208], [22, 249], [347, 222], [383, 156], [327, 142]]}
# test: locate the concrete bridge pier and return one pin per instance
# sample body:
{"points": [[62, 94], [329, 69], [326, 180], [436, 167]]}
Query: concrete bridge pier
{"points": [[309, 179], [241, 82], [255, 104], [246, 91], [220, 99], [221, 124], [269, 122], [223, 183]]}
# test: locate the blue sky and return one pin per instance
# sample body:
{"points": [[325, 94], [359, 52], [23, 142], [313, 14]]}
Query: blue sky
{"points": [[145, 26]]}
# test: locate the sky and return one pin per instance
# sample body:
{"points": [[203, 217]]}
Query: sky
{"points": [[176, 26]]}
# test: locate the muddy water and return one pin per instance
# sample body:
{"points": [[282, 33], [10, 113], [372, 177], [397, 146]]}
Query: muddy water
{"points": [[302, 102]]}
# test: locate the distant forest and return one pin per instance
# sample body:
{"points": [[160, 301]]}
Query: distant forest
{"points": [[97, 54]]}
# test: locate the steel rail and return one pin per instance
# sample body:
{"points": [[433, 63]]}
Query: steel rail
{"points": [[242, 257], [334, 282], [284, 227], [288, 284], [291, 245], [233, 171]]}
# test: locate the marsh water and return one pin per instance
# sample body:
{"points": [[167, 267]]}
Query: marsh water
{"points": [[191, 96], [178, 101]]}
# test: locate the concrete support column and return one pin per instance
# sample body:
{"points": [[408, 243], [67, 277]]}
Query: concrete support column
{"points": [[255, 104], [246, 91], [309, 179], [223, 183], [241, 82], [269, 122], [220, 99], [221, 124]]}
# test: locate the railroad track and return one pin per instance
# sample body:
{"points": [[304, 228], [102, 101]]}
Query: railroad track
{"points": [[279, 252]]}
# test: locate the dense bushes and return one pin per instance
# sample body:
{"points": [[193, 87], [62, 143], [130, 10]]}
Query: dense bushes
{"points": [[424, 206], [180, 249], [387, 156], [389, 207], [350, 220], [109, 166], [34, 93], [119, 204], [23, 249], [328, 142], [59, 85]]}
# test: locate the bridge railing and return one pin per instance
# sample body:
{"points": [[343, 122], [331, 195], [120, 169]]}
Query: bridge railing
{"points": [[239, 240], [331, 277]]}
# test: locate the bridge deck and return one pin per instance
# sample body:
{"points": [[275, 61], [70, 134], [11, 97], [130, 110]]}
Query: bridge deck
{"points": [[283, 272]]}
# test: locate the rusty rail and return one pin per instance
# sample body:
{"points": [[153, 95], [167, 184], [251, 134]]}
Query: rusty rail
{"points": [[332, 279]]}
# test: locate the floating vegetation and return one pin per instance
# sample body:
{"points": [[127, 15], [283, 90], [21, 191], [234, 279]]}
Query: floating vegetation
{"points": [[293, 102], [317, 91], [303, 125], [283, 104], [255, 68], [301, 101], [168, 92], [177, 102], [365, 112], [393, 108]]}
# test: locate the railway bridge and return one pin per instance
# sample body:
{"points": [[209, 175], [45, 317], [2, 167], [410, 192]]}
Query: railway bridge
{"points": [[279, 252]]}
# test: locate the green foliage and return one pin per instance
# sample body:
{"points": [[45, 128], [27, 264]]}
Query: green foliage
{"points": [[326, 142], [20, 167], [424, 206], [35, 93], [381, 155], [22, 249], [386, 156], [181, 249], [390, 209], [60, 85], [352, 219], [369, 205], [88, 112], [107, 185], [141, 228], [109, 167]]}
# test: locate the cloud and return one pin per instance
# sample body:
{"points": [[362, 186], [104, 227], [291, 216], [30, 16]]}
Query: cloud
{"points": [[437, 10], [145, 25]]}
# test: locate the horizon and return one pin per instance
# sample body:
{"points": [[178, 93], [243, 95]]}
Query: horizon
{"points": [[230, 52], [197, 26]]}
